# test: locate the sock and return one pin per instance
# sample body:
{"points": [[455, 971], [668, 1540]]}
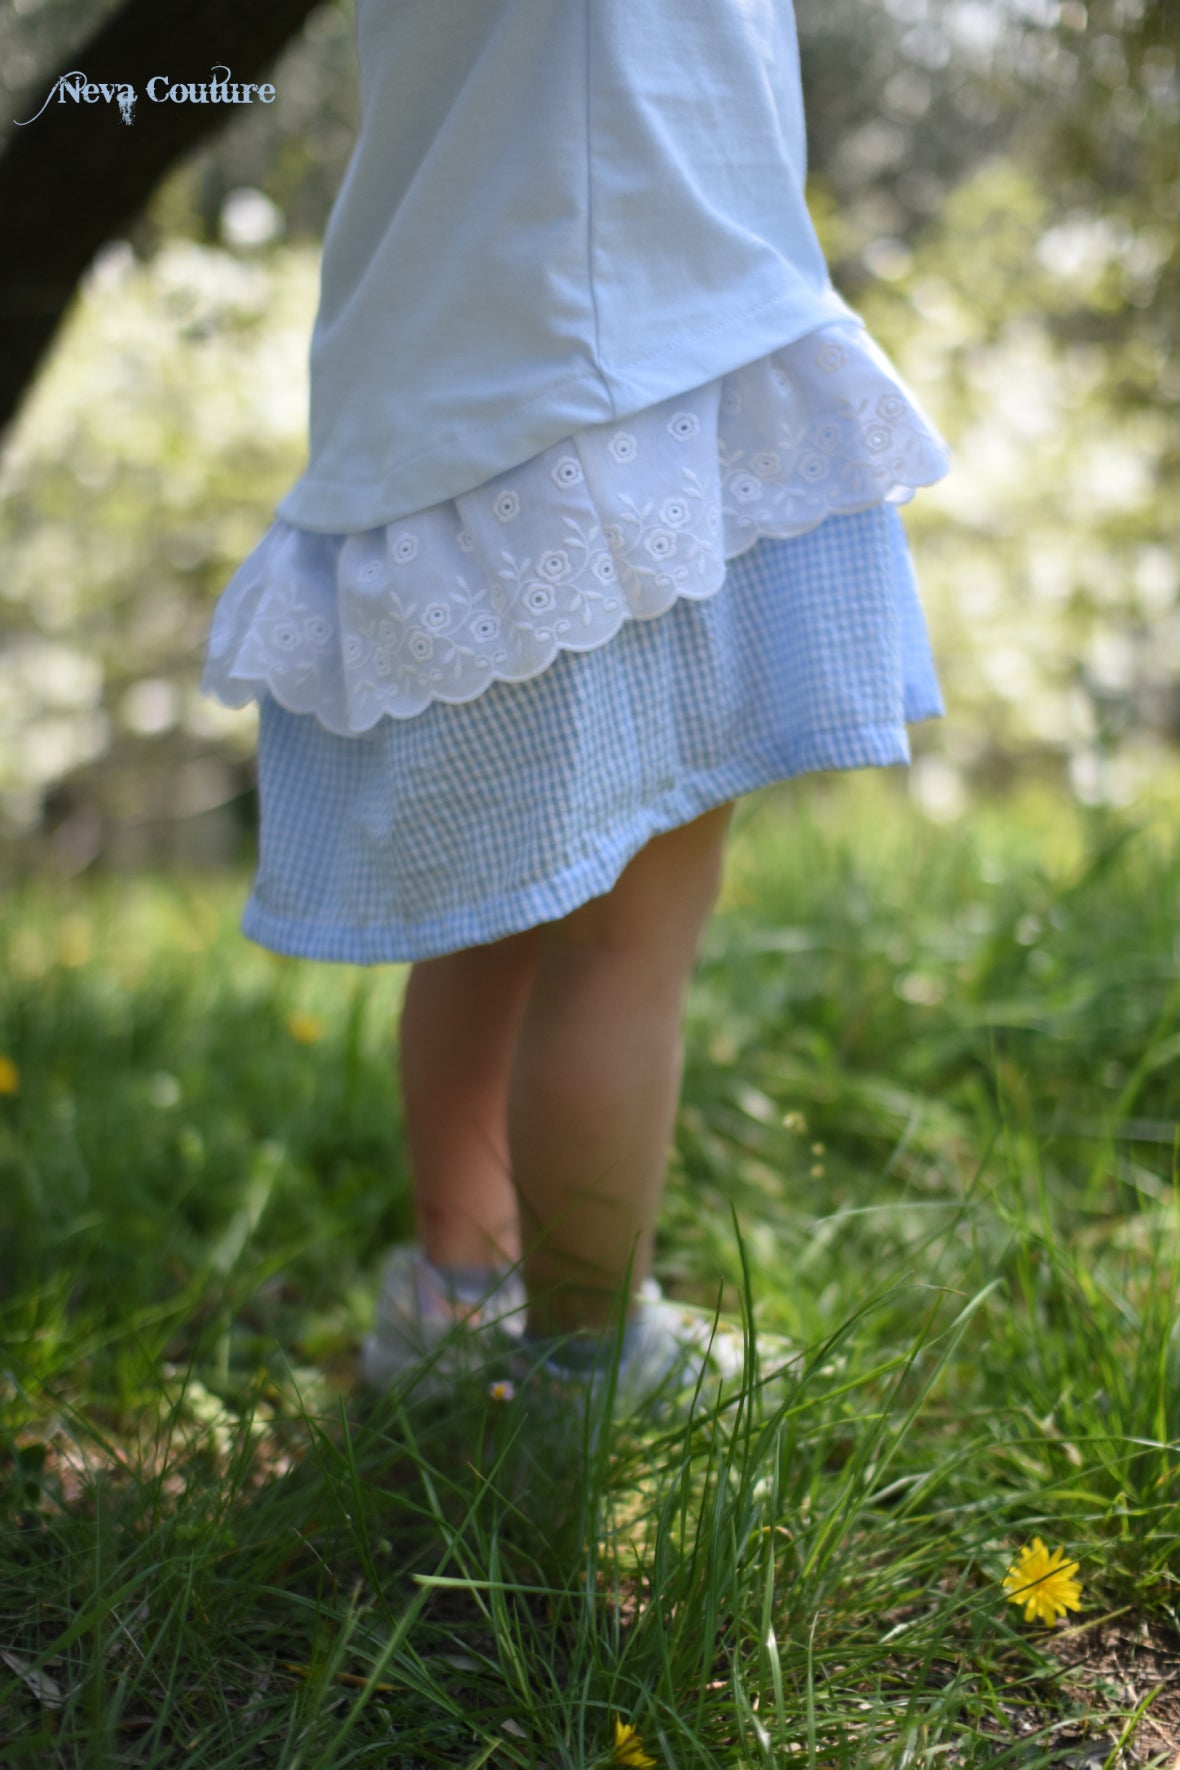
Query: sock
{"points": [[466, 1284]]}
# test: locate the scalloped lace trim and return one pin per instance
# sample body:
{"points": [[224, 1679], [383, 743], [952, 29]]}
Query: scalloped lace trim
{"points": [[611, 524]]}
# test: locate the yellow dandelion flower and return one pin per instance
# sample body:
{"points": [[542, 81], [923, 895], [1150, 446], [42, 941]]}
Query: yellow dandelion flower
{"points": [[9, 1076], [1043, 1583], [308, 1029], [628, 1747]]}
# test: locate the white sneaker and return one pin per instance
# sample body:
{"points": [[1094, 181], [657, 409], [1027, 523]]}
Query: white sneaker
{"points": [[672, 1352], [422, 1330]]}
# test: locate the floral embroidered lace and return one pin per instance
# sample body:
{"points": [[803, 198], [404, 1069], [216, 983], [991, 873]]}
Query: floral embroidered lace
{"points": [[611, 524]]}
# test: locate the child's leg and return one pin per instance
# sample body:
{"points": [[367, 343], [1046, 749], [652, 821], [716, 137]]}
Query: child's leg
{"points": [[597, 1078], [459, 1029]]}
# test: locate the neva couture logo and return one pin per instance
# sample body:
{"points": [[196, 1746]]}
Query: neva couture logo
{"points": [[77, 88]]}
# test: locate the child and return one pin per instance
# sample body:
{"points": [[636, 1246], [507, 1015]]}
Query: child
{"points": [[597, 533]]}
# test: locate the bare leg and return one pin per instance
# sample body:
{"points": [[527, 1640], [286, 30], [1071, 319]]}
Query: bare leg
{"points": [[597, 1078], [459, 1028]]}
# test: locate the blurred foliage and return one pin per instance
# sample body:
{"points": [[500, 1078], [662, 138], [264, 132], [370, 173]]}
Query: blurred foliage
{"points": [[997, 183]]}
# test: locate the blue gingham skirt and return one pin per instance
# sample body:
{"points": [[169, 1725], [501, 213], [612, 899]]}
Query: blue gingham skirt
{"points": [[469, 822]]}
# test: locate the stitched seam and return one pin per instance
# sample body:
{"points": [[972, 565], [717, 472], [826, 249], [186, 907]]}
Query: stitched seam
{"points": [[586, 4]]}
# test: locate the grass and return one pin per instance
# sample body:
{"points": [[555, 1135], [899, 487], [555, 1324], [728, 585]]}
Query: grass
{"points": [[929, 1134]]}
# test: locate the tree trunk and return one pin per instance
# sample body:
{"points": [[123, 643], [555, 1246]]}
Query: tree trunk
{"points": [[77, 175]]}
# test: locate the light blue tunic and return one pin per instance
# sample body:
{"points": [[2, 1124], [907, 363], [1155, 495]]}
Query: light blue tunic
{"points": [[558, 213]]}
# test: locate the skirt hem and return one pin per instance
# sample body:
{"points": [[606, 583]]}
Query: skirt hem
{"points": [[550, 899]]}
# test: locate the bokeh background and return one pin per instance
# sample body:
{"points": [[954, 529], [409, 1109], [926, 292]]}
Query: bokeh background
{"points": [[997, 184]]}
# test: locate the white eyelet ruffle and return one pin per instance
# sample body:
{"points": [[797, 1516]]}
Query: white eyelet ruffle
{"points": [[611, 524]]}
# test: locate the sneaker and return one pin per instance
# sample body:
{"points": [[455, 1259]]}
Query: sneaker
{"points": [[670, 1353], [423, 1329]]}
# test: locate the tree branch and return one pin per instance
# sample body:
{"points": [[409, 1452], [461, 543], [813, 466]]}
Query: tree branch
{"points": [[78, 175]]}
